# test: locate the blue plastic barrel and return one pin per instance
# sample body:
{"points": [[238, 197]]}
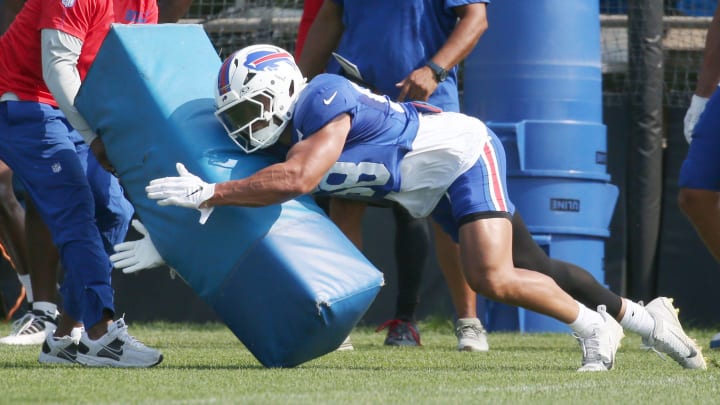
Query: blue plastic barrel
{"points": [[535, 77], [538, 60]]}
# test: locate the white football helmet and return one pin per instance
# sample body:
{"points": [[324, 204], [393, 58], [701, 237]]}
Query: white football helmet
{"points": [[255, 96]]}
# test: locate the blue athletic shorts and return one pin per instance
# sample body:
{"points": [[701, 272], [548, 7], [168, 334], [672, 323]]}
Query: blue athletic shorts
{"points": [[480, 192], [701, 168]]}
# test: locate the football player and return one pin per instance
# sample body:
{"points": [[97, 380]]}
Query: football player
{"points": [[342, 140]]}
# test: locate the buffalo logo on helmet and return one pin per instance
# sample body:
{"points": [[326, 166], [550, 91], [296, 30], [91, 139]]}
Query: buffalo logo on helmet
{"points": [[267, 59]]}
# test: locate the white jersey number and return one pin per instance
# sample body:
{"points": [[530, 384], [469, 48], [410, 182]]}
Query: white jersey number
{"points": [[374, 175]]}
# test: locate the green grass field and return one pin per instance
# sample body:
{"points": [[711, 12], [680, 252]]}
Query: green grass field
{"points": [[206, 364]]}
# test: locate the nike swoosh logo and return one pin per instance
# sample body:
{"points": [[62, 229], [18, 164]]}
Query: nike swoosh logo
{"points": [[300, 135], [693, 352], [330, 99], [110, 352], [117, 352]]}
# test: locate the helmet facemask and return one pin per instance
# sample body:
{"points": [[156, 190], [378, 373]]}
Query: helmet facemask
{"points": [[250, 122]]}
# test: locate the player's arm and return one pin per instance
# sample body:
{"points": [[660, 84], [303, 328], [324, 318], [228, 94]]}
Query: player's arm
{"points": [[708, 79], [60, 54], [472, 23], [307, 163], [710, 72], [322, 38]]}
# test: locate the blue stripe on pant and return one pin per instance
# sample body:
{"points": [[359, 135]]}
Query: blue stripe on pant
{"points": [[35, 142]]}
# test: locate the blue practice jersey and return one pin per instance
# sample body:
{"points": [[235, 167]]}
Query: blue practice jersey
{"points": [[387, 154], [382, 133]]}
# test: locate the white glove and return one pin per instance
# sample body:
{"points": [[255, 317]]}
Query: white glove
{"points": [[697, 106], [136, 255], [186, 190]]}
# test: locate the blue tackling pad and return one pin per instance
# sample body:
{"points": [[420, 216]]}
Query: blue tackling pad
{"points": [[283, 278]]}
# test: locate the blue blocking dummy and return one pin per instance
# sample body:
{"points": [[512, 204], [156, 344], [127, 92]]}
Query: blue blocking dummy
{"points": [[283, 278]]}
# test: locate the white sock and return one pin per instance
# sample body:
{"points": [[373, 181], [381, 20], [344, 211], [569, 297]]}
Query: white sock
{"points": [[25, 281], [47, 308], [637, 319], [586, 322]]}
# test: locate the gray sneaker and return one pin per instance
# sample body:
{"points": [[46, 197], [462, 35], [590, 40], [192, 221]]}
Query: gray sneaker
{"points": [[471, 335], [31, 329], [63, 350], [669, 337], [116, 348], [600, 347]]}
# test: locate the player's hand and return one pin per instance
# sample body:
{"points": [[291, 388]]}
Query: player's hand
{"points": [[136, 255], [186, 190], [697, 106], [419, 85]]}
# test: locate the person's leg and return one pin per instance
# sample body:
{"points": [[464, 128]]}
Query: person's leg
{"points": [[482, 224], [468, 328], [113, 212], [45, 263], [12, 223], [699, 179], [347, 215], [38, 149], [577, 282], [486, 251], [45, 161], [412, 244], [42, 316], [702, 208]]}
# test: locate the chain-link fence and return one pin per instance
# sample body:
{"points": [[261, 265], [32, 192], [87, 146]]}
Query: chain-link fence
{"points": [[233, 24], [685, 24]]}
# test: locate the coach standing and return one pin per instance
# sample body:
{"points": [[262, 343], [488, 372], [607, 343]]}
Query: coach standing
{"points": [[44, 55]]}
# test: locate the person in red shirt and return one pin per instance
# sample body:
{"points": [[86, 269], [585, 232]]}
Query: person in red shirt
{"points": [[44, 56], [310, 11], [31, 328]]}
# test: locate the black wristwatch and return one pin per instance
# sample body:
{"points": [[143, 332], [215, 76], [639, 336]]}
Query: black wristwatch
{"points": [[440, 73]]}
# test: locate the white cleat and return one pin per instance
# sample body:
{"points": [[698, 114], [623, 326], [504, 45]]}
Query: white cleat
{"points": [[669, 337], [600, 347]]}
